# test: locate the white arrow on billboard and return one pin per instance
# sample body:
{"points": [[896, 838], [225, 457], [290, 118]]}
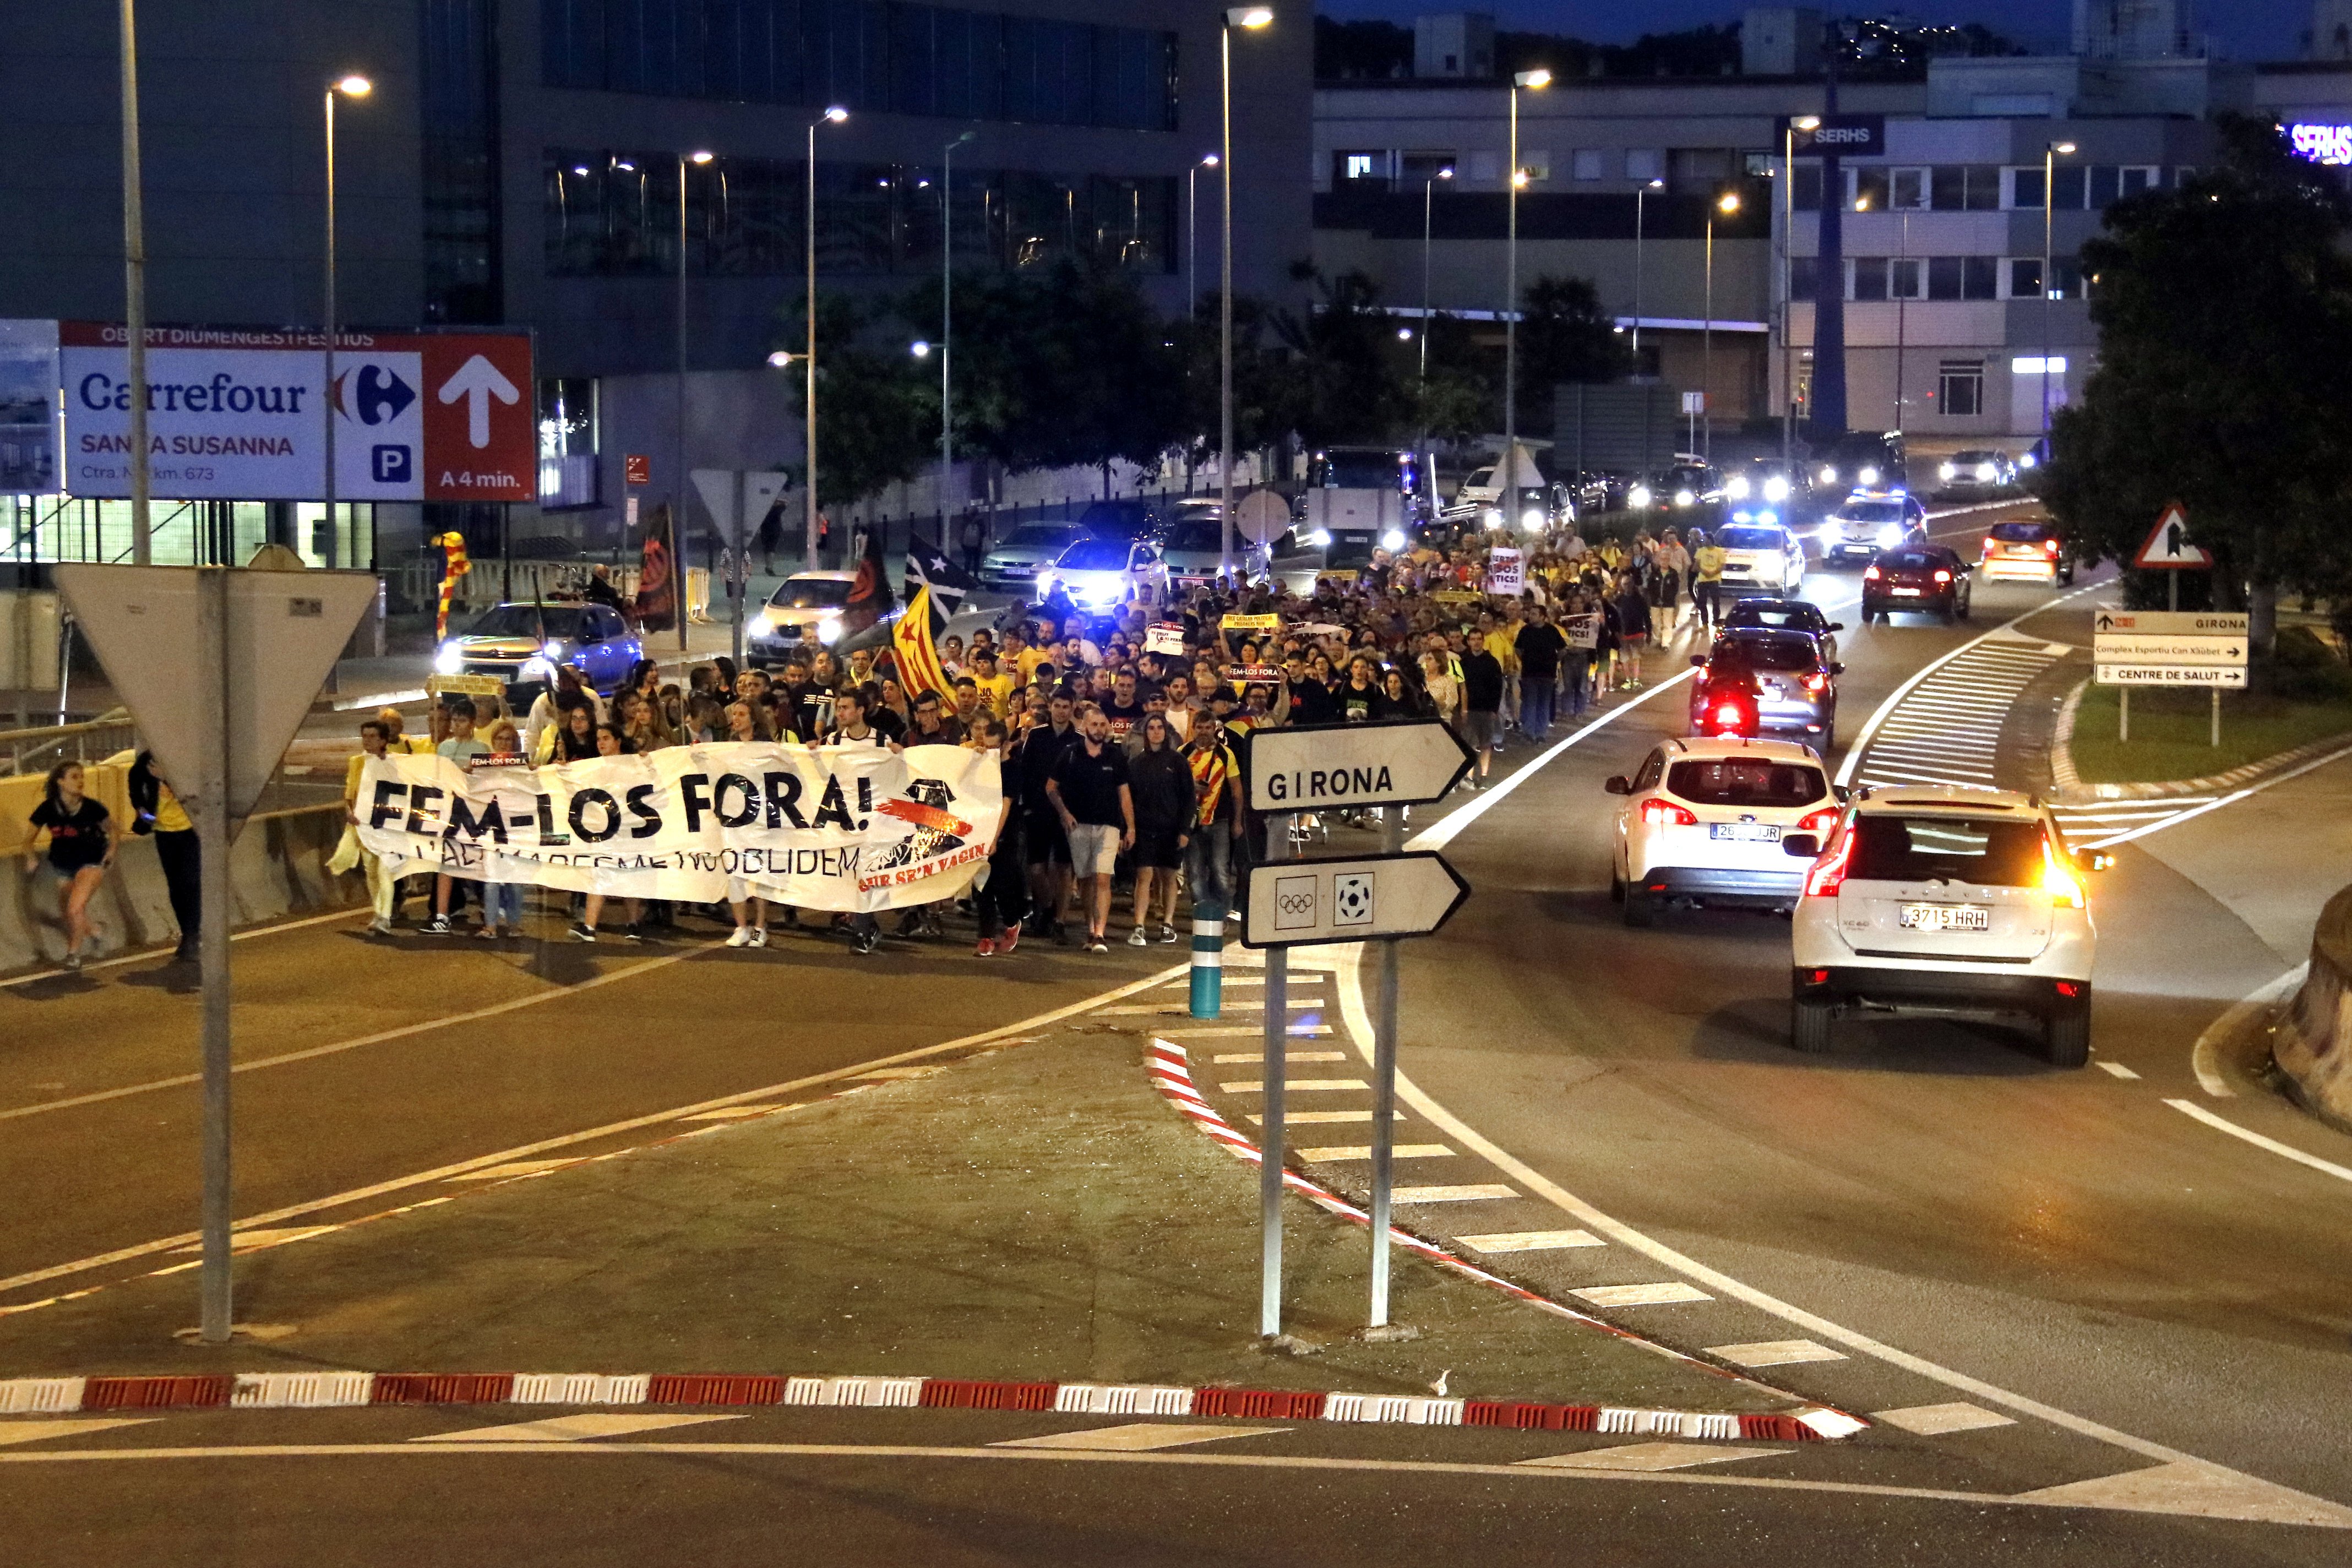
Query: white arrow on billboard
{"points": [[1290, 903], [285, 631], [1338, 767], [477, 381]]}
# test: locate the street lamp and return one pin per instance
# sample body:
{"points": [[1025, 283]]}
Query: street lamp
{"points": [[1902, 276], [353, 86], [1726, 204], [1428, 189], [1640, 196], [1192, 231], [1808, 123], [2051, 153], [1252, 17], [831, 116], [677, 508], [1534, 80], [947, 312]]}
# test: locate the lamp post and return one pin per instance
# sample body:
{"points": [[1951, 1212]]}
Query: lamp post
{"points": [[1253, 17], [677, 509], [1808, 123], [1428, 190], [1902, 274], [134, 318], [1192, 231], [831, 116], [353, 86], [1726, 204], [1640, 196], [2051, 153], [1534, 80], [947, 308]]}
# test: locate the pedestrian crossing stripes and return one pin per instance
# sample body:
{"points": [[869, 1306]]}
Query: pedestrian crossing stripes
{"points": [[1946, 729]]}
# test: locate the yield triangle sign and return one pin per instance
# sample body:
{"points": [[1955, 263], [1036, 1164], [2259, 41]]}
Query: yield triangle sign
{"points": [[284, 631], [2167, 543]]}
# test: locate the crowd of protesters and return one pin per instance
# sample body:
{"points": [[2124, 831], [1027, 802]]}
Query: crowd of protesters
{"points": [[1116, 730]]}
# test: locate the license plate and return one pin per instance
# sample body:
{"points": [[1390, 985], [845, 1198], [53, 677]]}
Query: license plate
{"points": [[1907, 593], [1947, 917], [1746, 832]]}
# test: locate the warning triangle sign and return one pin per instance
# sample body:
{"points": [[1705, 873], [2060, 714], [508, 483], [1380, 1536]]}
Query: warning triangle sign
{"points": [[2167, 545], [284, 631]]}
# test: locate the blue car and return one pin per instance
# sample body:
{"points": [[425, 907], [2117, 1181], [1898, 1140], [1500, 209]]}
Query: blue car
{"points": [[521, 644]]}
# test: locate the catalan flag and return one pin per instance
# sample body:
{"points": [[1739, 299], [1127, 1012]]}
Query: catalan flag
{"points": [[918, 657]]}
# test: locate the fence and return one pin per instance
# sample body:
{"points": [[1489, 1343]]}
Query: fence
{"points": [[39, 749]]}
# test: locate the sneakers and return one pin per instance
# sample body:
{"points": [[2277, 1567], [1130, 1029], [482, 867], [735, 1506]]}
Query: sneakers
{"points": [[632, 933], [1009, 940], [1094, 943], [73, 962], [1167, 935], [437, 926], [863, 942], [987, 948], [759, 937], [376, 927], [583, 931], [739, 937], [1137, 938]]}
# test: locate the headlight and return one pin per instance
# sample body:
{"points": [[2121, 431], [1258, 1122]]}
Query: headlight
{"points": [[536, 669], [1868, 476], [1948, 472], [2026, 461], [552, 647], [1738, 488], [1890, 536], [1393, 541], [764, 623], [1047, 578], [1776, 488], [1685, 498], [1532, 519], [1638, 496], [450, 660], [1492, 517], [1829, 475], [828, 628], [1768, 515], [1320, 539], [1743, 515], [1986, 471]]}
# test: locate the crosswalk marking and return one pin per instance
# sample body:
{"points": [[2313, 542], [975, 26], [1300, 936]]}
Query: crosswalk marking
{"points": [[1529, 1240], [1235, 1058], [1935, 1420], [1648, 1456], [1473, 1193], [1775, 1352], [1657, 1295], [1241, 1031], [42, 1431], [1296, 1118], [2117, 1070], [1364, 1151], [1303, 1085], [1166, 1010], [1947, 730]]}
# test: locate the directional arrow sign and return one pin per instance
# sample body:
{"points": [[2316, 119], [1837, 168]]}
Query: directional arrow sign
{"points": [[477, 381], [1293, 903], [2168, 547], [2132, 647], [1337, 767], [2172, 623]]}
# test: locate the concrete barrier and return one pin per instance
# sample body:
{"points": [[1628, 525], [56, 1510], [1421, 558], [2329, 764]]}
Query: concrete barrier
{"points": [[2313, 1044], [277, 868]]}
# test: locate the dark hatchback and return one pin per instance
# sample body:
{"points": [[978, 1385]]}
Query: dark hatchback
{"points": [[1921, 579], [1763, 682]]}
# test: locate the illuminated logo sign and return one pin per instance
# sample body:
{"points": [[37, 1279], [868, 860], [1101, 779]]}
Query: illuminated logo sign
{"points": [[2329, 144]]}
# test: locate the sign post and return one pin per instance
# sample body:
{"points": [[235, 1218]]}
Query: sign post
{"points": [[1380, 898], [1271, 1133], [263, 642]]}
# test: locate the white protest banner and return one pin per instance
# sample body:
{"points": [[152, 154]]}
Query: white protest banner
{"points": [[1582, 631], [1163, 638], [1505, 572], [833, 827]]}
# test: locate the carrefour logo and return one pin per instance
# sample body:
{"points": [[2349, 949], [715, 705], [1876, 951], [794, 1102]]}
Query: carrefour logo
{"points": [[224, 394]]}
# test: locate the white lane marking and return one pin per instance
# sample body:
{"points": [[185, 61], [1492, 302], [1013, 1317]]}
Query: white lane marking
{"points": [[1343, 1151], [1242, 1032], [1775, 1352], [1664, 1293], [2231, 799], [2205, 1055], [570, 1428], [1360, 1028], [1165, 1010], [1529, 1240], [611, 1129], [254, 1241], [1321, 1118], [1648, 1458], [515, 1168], [1303, 1085], [1137, 1438], [42, 1431], [2285, 1151], [1471, 1194], [2198, 1490], [732, 1113], [1919, 741], [157, 952], [2115, 1069], [882, 1073], [1870, 728], [1235, 1058], [1935, 1420]]}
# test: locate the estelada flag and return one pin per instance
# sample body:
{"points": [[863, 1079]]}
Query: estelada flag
{"points": [[657, 601], [870, 592], [918, 657]]}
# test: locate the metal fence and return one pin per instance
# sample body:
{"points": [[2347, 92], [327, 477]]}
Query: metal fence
{"points": [[37, 751]]}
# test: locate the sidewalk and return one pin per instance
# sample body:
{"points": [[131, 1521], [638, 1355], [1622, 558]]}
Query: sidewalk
{"points": [[1036, 1212]]}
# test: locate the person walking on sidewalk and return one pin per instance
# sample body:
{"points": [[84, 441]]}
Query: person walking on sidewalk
{"points": [[1707, 580], [1482, 703], [1090, 793], [1162, 783], [1540, 645], [156, 810], [81, 841]]}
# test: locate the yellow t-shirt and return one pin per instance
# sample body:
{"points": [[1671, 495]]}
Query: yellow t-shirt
{"points": [[996, 690], [1503, 645], [1029, 659], [1709, 562], [170, 816]]}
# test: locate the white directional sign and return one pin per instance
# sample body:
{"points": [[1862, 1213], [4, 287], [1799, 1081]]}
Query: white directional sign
{"points": [[2128, 649], [2170, 648], [1337, 767], [2227, 676], [1290, 904]]}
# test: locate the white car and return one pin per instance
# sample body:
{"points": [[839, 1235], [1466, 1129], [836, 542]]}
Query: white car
{"points": [[804, 603], [1762, 555], [1946, 899], [1703, 821], [1101, 574]]}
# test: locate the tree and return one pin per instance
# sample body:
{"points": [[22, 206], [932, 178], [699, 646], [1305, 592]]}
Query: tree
{"points": [[1344, 351], [1462, 399], [877, 410], [2224, 310], [1265, 389], [1564, 335]]}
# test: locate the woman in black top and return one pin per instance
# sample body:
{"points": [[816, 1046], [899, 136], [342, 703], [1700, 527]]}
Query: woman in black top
{"points": [[81, 846], [576, 738], [1160, 781], [1362, 699]]}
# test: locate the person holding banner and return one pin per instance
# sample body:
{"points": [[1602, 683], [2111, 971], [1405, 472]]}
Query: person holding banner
{"points": [[610, 742]]}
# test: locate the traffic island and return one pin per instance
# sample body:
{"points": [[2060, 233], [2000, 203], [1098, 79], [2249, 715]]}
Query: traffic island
{"points": [[1031, 1217]]}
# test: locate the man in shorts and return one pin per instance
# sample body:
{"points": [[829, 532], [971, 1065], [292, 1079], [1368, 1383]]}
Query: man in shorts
{"points": [[1089, 790]]}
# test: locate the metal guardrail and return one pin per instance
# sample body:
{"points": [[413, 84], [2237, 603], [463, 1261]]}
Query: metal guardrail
{"points": [[39, 749]]}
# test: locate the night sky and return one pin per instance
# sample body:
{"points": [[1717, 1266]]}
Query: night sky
{"points": [[2246, 30]]}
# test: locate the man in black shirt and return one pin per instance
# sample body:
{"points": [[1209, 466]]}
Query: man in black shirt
{"points": [[1539, 646], [1049, 849], [1089, 790], [1125, 709], [1482, 703]]}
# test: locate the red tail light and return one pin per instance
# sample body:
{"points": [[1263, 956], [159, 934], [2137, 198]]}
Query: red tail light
{"points": [[1666, 814], [1871, 573], [1819, 821], [2050, 546], [1942, 576], [1828, 875], [1817, 682]]}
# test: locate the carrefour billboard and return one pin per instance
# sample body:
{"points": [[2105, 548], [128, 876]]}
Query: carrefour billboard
{"points": [[241, 414]]}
